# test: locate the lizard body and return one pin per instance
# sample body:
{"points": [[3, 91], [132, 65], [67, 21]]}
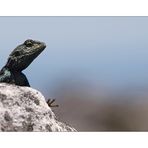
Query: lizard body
{"points": [[19, 59]]}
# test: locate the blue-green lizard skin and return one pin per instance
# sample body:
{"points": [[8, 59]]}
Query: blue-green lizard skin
{"points": [[20, 58]]}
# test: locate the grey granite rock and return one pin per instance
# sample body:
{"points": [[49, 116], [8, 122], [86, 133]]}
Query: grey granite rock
{"points": [[25, 109]]}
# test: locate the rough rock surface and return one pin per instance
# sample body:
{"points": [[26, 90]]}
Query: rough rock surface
{"points": [[25, 109]]}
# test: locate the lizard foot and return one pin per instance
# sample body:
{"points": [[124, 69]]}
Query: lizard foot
{"points": [[50, 102]]}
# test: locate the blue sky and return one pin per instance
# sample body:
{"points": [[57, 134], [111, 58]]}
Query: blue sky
{"points": [[103, 51]]}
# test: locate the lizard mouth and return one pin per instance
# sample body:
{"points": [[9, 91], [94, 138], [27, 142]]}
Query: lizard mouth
{"points": [[43, 45]]}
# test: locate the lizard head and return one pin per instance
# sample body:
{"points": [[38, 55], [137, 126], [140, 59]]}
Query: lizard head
{"points": [[23, 55]]}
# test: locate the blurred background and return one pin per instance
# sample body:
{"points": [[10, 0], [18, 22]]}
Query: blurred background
{"points": [[95, 67]]}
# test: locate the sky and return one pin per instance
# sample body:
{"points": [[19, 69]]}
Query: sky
{"points": [[110, 52]]}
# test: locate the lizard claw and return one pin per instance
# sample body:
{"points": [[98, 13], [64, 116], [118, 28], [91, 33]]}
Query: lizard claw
{"points": [[50, 102]]}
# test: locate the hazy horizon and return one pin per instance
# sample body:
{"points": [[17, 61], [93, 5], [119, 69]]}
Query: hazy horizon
{"points": [[107, 52]]}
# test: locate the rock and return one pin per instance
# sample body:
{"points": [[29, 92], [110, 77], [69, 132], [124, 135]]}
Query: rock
{"points": [[25, 109]]}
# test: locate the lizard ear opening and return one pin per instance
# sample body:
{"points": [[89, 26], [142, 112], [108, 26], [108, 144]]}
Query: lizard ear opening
{"points": [[17, 53]]}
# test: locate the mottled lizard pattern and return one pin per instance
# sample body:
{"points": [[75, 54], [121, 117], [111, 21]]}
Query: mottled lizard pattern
{"points": [[20, 58]]}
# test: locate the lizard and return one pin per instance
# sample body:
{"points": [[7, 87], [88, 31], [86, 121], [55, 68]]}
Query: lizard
{"points": [[19, 59]]}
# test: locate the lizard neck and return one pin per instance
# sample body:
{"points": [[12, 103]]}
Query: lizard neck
{"points": [[10, 69], [12, 76]]}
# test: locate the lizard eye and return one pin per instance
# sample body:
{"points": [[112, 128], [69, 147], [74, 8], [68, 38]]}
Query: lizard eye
{"points": [[28, 43]]}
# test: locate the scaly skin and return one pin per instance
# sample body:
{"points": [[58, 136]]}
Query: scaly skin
{"points": [[20, 58]]}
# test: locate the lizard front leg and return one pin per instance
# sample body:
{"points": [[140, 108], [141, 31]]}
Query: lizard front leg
{"points": [[50, 102]]}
